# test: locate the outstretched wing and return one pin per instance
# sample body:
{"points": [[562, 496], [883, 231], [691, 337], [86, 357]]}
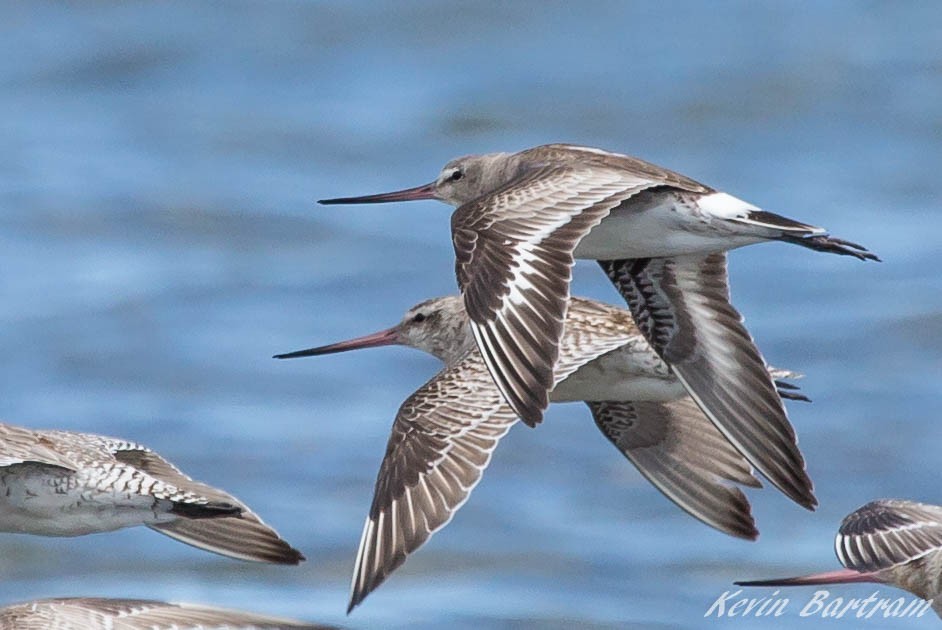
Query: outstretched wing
{"points": [[441, 442], [681, 305], [513, 258]]}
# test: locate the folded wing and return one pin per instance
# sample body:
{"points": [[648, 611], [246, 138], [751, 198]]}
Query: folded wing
{"points": [[93, 613], [889, 532], [244, 537]]}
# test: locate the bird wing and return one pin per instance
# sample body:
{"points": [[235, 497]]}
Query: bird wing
{"points": [[513, 259], [244, 536], [677, 449], [888, 532], [65, 449], [90, 613], [681, 305], [441, 442]]}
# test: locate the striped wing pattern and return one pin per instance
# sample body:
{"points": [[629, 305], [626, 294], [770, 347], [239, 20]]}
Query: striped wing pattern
{"points": [[514, 256], [888, 532], [441, 442], [681, 305]]}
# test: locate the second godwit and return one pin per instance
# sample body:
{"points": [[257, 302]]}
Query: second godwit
{"points": [[890, 541], [661, 237], [62, 483], [445, 433]]}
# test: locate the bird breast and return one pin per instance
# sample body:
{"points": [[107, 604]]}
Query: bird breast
{"points": [[630, 373]]}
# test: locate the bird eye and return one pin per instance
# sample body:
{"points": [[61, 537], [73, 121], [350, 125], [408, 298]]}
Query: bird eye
{"points": [[456, 176], [419, 318]]}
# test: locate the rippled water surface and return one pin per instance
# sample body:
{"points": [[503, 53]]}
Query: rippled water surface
{"points": [[159, 242]]}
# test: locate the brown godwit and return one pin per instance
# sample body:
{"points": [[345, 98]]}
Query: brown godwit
{"points": [[97, 613], [661, 237], [61, 483], [890, 541], [444, 434]]}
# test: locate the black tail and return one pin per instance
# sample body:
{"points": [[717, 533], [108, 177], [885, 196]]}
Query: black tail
{"points": [[212, 509]]}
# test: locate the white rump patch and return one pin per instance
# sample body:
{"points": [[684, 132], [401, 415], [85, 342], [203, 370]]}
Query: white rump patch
{"points": [[725, 206]]}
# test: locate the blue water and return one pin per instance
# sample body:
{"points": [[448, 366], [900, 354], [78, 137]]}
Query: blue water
{"points": [[159, 242]]}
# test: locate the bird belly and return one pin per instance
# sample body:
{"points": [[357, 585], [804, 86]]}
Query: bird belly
{"points": [[621, 375], [51, 501], [657, 225]]}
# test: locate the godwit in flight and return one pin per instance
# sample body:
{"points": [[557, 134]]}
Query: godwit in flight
{"points": [[62, 483], [661, 237], [890, 541], [444, 433]]}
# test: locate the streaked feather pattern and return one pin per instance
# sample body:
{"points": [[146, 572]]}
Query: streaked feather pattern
{"points": [[888, 532]]}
